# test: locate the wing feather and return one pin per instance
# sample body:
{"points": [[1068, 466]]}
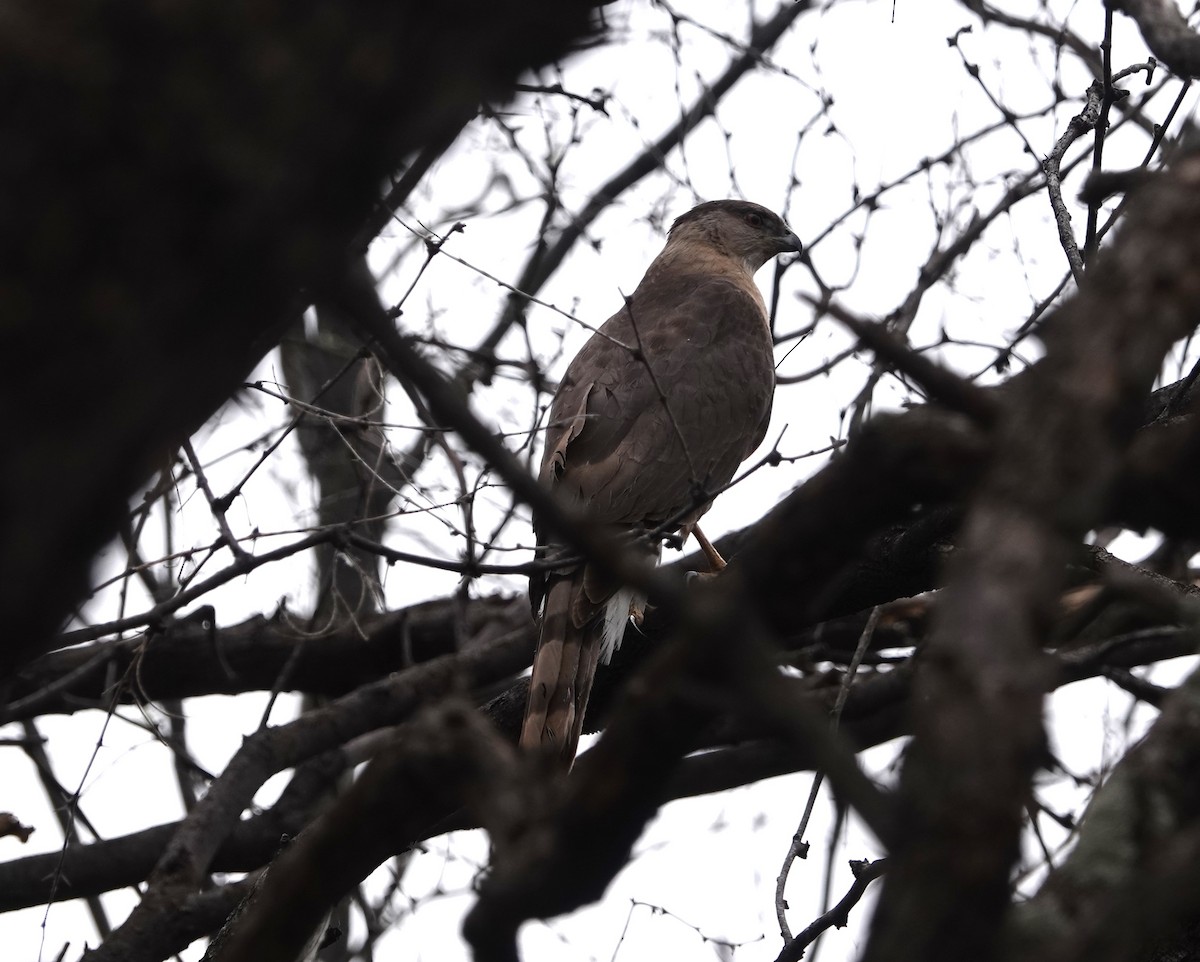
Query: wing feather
{"points": [[632, 455]]}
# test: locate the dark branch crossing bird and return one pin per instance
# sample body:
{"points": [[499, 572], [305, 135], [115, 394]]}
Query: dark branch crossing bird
{"points": [[659, 408]]}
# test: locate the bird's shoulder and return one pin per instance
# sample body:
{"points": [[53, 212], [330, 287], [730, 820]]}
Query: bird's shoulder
{"points": [[670, 314], [674, 309]]}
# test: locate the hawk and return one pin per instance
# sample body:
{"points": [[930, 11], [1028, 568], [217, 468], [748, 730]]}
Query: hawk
{"points": [[654, 415]]}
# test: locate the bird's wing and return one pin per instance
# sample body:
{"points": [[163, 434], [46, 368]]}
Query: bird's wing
{"points": [[637, 434]]}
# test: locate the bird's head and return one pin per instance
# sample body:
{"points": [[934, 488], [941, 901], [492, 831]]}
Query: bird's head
{"points": [[741, 229]]}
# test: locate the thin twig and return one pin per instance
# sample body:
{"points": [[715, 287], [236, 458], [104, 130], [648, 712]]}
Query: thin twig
{"points": [[799, 847], [939, 383], [218, 506], [864, 874], [243, 565]]}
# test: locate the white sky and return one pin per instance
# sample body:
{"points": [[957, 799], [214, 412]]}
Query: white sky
{"points": [[900, 93]]}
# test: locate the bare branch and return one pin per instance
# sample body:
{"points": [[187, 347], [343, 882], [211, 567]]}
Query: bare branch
{"points": [[1166, 33]]}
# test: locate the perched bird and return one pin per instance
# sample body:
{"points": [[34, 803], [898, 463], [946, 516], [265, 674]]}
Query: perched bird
{"points": [[654, 414]]}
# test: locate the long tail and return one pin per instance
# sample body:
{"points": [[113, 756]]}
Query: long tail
{"points": [[575, 637]]}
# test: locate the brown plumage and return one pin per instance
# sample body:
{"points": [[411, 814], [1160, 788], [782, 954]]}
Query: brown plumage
{"points": [[636, 438]]}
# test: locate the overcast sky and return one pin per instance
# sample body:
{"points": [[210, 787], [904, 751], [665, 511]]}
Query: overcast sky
{"points": [[900, 93]]}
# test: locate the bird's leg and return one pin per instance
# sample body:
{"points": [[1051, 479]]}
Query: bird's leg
{"points": [[715, 561]]}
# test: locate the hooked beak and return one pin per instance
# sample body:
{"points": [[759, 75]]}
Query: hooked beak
{"points": [[788, 241]]}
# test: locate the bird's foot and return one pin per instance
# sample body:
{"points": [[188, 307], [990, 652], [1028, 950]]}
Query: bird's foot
{"points": [[715, 561]]}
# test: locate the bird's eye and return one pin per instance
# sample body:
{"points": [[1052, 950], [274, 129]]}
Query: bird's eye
{"points": [[754, 220]]}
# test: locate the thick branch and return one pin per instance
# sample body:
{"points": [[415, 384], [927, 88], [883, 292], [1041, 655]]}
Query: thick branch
{"points": [[437, 761], [187, 858], [191, 657], [1060, 445], [1132, 875]]}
